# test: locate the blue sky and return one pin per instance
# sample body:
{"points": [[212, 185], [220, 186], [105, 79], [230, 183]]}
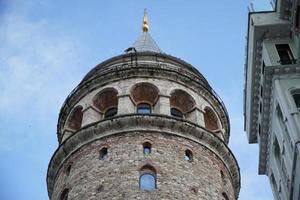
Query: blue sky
{"points": [[48, 46]]}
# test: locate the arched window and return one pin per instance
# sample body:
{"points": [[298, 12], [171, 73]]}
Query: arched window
{"points": [[64, 195], [176, 113], [110, 112], [144, 108], [181, 103], [224, 196], [146, 148], [75, 118], [103, 153], [188, 155], [210, 119], [144, 96], [147, 178], [106, 101]]}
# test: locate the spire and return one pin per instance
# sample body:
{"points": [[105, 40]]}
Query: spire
{"points": [[145, 26], [145, 42]]}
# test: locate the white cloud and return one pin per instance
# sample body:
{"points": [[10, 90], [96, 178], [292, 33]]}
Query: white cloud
{"points": [[39, 66]]}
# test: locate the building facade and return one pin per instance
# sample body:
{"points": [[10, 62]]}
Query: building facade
{"points": [[143, 125], [272, 95]]}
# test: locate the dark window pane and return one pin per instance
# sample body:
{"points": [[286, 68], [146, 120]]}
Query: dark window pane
{"points": [[111, 112], [297, 100], [64, 194], [285, 54], [188, 156], [144, 108], [176, 113], [147, 182], [103, 153]]}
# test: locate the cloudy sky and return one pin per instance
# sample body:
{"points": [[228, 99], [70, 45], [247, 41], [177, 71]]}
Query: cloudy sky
{"points": [[46, 47]]}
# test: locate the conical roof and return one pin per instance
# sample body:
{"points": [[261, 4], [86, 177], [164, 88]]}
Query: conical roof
{"points": [[146, 43]]}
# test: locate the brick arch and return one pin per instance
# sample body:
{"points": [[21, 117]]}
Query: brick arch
{"points": [[106, 99], [182, 101], [75, 118], [210, 119], [144, 92]]}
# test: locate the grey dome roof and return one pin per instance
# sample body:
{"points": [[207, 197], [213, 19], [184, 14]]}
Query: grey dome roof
{"points": [[146, 43]]}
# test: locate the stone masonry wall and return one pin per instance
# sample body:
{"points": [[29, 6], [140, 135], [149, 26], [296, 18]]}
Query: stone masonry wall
{"points": [[117, 176]]}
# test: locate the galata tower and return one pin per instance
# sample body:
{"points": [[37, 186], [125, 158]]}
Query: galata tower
{"points": [[143, 125]]}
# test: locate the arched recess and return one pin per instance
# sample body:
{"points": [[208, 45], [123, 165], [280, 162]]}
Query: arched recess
{"points": [[75, 119], [210, 119], [144, 93], [144, 96], [106, 101], [181, 101]]}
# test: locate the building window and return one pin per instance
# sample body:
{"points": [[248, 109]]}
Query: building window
{"points": [[263, 67], [224, 196], [176, 113], [103, 153], [64, 195], [285, 54], [146, 148], [297, 17], [147, 178], [296, 97], [276, 150], [68, 170], [144, 108], [111, 112], [188, 155], [273, 181]]}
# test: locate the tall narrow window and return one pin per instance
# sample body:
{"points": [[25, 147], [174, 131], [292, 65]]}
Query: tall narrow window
{"points": [[64, 195], [188, 155], [224, 196], [146, 148], [285, 54], [277, 150], [297, 17], [296, 97], [176, 113], [147, 178], [144, 108], [103, 153]]}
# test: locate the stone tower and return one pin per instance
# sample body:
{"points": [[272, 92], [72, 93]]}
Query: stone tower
{"points": [[143, 125]]}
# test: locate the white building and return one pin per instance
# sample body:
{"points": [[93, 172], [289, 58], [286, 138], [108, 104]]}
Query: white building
{"points": [[272, 95]]}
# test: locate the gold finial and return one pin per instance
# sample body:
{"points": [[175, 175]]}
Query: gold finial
{"points": [[145, 27]]}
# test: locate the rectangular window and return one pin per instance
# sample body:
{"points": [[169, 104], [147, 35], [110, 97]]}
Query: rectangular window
{"points": [[296, 97], [285, 54], [297, 17]]}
